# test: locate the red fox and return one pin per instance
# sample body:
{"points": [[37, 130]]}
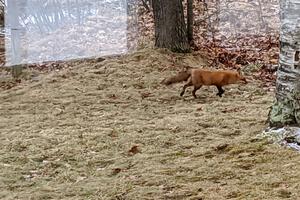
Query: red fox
{"points": [[199, 77]]}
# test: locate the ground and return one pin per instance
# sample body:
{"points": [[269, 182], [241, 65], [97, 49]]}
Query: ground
{"points": [[109, 130]]}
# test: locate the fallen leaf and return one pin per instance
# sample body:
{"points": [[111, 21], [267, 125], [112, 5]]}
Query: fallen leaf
{"points": [[134, 150], [199, 109], [115, 171], [221, 147]]}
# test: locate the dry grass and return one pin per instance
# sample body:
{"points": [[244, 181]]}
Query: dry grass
{"points": [[109, 130]]}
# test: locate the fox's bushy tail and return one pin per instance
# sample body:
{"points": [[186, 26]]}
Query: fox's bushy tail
{"points": [[180, 77]]}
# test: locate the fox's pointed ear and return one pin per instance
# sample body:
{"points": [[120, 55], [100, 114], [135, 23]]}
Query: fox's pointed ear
{"points": [[186, 68]]}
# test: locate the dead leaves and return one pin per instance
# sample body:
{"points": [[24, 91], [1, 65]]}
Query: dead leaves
{"points": [[112, 96], [131, 152], [116, 171], [6, 85], [221, 147], [134, 150], [230, 110], [199, 109], [145, 94], [267, 74]]}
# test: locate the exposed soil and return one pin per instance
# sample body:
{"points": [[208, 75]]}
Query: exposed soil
{"points": [[110, 130]]}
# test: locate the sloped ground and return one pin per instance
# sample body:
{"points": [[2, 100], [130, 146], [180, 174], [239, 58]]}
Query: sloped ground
{"points": [[110, 130]]}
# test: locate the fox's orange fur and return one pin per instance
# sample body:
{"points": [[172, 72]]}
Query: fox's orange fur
{"points": [[200, 77]]}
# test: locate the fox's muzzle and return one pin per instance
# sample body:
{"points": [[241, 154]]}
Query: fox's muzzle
{"points": [[244, 80]]}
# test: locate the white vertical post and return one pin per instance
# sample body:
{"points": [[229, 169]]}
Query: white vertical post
{"points": [[13, 13]]}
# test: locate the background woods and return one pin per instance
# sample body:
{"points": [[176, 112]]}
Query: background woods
{"points": [[233, 34], [229, 32]]}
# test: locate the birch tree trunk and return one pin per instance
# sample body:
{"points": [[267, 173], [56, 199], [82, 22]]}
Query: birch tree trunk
{"points": [[170, 28], [286, 109]]}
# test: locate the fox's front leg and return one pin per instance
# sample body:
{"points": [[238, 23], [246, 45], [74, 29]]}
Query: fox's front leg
{"points": [[188, 84], [220, 91], [195, 90]]}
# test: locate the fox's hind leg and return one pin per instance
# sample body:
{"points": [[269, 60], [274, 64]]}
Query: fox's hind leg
{"points": [[221, 91], [188, 84], [195, 90]]}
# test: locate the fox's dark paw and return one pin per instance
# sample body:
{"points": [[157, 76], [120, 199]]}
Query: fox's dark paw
{"points": [[181, 94], [220, 95]]}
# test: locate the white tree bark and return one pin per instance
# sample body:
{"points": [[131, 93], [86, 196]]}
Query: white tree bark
{"points": [[286, 109]]}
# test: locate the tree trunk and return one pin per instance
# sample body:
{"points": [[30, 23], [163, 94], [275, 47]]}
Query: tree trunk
{"points": [[170, 28], [190, 20], [286, 109]]}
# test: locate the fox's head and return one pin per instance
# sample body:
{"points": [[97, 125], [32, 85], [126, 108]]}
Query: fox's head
{"points": [[240, 77]]}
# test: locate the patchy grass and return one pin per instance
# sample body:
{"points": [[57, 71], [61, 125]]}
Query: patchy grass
{"points": [[110, 130]]}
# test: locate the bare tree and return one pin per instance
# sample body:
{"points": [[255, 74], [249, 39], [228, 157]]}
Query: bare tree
{"points": [[190, 20], [170, 28], [286, 109]]}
